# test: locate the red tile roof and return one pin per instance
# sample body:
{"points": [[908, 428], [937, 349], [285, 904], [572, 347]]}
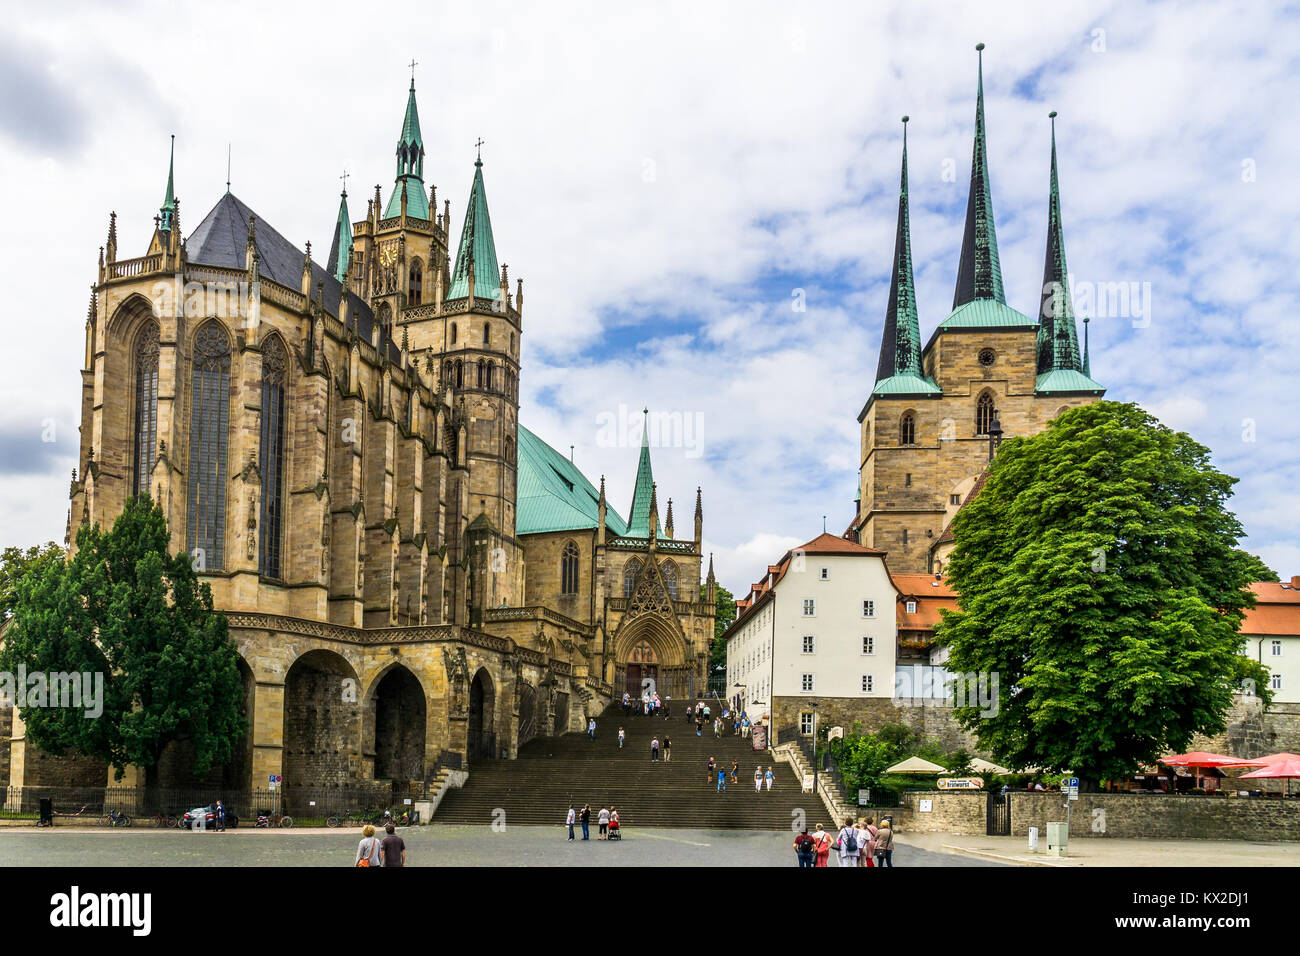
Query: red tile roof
{"points": [[1277, 612]]}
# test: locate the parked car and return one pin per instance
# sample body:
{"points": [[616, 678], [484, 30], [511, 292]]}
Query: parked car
{"points": [[189, 821]]}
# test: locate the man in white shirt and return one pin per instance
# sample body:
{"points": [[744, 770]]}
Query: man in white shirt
{"points": [[569, 821]]}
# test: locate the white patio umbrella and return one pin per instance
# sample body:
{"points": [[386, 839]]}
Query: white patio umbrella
{"points": [[915, 765]]}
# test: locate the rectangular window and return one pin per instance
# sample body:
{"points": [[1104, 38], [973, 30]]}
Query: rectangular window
{"points": [[911, 607], [1276, 683], [806, 724], [954, 499], [809, 644], [809, 607], [826, 574], [806, 682], [907, 481], [1277, 648], [868, 608], [904, 537], [868, 645], [868, 684]]}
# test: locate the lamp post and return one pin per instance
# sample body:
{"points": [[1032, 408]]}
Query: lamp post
{"points": [[995, 434], [814, 749], [742, 688]]}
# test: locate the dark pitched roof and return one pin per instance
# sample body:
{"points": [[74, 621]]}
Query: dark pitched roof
{"points": [[222, 237]]}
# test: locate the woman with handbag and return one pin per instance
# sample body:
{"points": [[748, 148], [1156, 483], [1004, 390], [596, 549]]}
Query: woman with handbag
{"points": [[368, 850], [885, 845], [821, 846]]}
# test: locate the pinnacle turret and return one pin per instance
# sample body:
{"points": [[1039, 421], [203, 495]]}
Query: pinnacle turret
{"points": [[477, 254]]}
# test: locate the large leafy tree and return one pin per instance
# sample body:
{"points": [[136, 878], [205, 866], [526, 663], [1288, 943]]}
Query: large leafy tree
{"points": [[124, 607], [15, 563], [1100, 580], [726, 608]]}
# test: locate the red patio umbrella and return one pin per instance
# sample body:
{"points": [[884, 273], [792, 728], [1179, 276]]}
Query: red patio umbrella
{"points": [[1265, 761], [1287, 768], [1197, 759]]}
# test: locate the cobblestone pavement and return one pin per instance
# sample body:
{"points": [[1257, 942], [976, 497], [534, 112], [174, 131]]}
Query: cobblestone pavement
{"points": [[425, 846], [1113, 851]]}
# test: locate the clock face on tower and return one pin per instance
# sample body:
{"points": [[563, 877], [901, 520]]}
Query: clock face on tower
{"points": [[387, 255]]}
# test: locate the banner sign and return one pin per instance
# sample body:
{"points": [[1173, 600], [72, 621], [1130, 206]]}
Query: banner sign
{"points": [[961, 783]]}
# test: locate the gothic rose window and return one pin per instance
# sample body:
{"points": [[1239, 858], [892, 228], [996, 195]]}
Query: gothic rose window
{"points": [[209, 435]]}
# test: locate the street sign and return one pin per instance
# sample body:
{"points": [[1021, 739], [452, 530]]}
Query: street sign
{"points": [[864, 798], [1071, 782]]}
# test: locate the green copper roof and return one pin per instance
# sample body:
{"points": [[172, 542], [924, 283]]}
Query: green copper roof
{"points": [[477, 245], [553, 495], [410, 166], [986, 314], [1058, 336], [980, 275], [900, 344], [638, 519], [169, 201], [1065, 380], [341, 245], [908, 383]]}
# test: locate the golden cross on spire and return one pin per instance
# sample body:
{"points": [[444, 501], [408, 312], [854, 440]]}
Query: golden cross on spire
{"points": [[413, 64], [344, 177]]}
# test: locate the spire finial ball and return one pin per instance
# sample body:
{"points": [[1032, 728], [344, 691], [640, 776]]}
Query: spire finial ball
{"points": [[906, 118], [979, 46], [1052, 115]]}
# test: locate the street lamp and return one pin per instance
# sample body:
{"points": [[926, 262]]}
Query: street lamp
{"points": [[995, 434]]}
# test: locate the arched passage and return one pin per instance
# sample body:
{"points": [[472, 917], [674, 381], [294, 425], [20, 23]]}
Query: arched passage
{"points": [[322, 721], [481, 737], [399, 723], [651, 656]]}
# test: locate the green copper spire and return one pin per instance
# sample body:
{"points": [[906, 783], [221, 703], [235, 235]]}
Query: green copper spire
{"points": [[341, 245], [900, 371], [1058, 336], [638, 522], [410, 165], [476, 246], [979, 276], [168, 209]]}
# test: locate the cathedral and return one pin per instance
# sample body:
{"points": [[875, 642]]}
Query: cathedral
{"points": [[414, 580], [936, 412]]}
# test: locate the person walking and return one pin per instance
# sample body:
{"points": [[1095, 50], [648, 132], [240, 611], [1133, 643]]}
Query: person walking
{"points": [[668, 705], [219, 816], [591, 727], [735, 770], [713, 766], [821, 846], [867, 841], [654, 750], [699, 727], [668, 748], [758, 779], [603, 820], [722, 780], [620, 738], [717, 728], [369, 853], [846, 842], [769, 777], [392, 847], [586, 821], [803, 848], [885, 845], [569, 820]]}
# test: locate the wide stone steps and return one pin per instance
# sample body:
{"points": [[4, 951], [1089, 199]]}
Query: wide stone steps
{"points": [[553, 773]]}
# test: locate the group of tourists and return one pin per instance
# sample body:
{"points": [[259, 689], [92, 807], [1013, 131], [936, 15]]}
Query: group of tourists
{"points": [[857, 844], [388, 852], [722, 774], [649, 705], [606, 819]]}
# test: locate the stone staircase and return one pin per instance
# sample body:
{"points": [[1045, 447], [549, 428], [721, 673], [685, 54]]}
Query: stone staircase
{"points": [[550, 773]]}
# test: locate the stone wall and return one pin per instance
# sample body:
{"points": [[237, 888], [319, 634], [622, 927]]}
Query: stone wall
{"points": [[1122, 815], [869, 714]]}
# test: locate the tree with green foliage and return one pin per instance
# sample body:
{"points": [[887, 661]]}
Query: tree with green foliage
{"points": [[1099, 579], [726, 605], [863, 758], [124, 607], [14, 564]]}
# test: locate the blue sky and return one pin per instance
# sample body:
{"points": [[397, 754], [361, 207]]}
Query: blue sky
{"points": [[666, 178]]}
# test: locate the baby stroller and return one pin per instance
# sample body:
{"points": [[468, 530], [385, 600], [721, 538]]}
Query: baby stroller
{"points": [[614, 832]]}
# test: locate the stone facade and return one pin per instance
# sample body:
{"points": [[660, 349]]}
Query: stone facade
{"points": [[929, 718]]}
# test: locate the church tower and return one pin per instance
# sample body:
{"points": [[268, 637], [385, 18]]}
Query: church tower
{"points": [[935, 414]]}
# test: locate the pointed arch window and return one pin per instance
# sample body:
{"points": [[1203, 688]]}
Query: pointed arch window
{"points": [[907, 429], [630, 571], [460, 374], [569, 569], [669, 571], [275, 371], [453, 333], [984, 413], [415, 283], [209, 435], [487, 333], [146, 406]]}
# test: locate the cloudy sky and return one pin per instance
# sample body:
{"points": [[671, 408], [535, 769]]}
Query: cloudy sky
{"points": [[669, 180]]}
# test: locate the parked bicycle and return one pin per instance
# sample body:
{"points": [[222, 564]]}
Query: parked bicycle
{"points": [[350, 817], [267, 819], [165, 821], [115, 818]]}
